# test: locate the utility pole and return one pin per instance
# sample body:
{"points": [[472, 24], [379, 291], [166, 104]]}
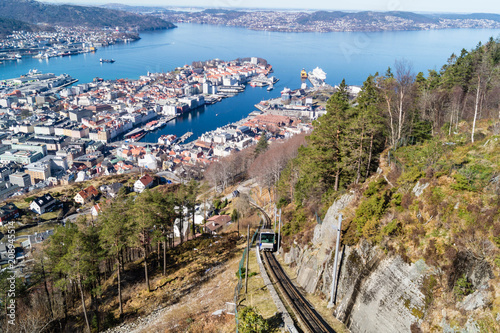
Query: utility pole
{"points": [[275, 216], [279, 231], [248, 255], [334, 276]]}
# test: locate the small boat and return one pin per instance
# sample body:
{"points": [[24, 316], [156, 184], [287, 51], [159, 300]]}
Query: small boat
{"points": [[271, 87], [107, 60]]}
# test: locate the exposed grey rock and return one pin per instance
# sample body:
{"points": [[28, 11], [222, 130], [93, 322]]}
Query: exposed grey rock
{"points": [[292, 256], [470, 327], [419, 188], [311, 263], [325, 234], [378, 293], [478, 299], [309, 272]]}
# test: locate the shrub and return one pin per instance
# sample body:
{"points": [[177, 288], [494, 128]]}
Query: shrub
{"points": [[410, 176], [472, 177], [243, 270], [374, 187], [296, 223], [428, 285], [282, 202], [250, 321], [217, 204], [397, 199], [393, 228], [463, 287], [371, 209], [29, 199]]}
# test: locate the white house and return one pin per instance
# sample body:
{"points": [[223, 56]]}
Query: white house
{"points": [[42, 204], [96, 210], [143, 183], [86, 195]]}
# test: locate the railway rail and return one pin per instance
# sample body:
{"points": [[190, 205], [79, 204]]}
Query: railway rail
{"points": [[309, 320]]}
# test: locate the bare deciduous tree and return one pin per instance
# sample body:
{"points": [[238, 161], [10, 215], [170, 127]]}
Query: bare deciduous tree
{"points": [[404, 81]]}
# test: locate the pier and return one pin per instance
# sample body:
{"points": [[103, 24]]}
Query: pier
{"points": [[185, 137]]}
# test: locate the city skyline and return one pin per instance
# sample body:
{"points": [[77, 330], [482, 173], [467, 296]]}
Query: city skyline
{"points": [[361, 5]]}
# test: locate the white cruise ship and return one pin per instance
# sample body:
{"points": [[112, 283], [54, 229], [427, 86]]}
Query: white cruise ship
{"points": [[317, 77]]}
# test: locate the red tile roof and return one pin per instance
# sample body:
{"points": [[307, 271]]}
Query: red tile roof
{"points": [[146, 180]]}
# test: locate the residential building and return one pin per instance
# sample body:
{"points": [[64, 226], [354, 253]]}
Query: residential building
{"points": [[96, 209], [44, 129], [6, 190], [215, 224], [8, 212], [5, 172], [86, 195], [42, 204], [37, 238], [143, 183], [111, 191], [52, 143]]}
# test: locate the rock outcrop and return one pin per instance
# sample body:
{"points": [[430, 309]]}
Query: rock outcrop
{"points": [[377, 292]]}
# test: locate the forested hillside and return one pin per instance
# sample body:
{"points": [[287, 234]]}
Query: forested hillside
{"points": [[420, 157], [35, 12], [9, 25]]}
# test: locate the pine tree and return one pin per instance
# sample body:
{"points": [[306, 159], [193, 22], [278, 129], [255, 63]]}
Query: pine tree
{"points": [[262, 144], [323, 159], [145, 216], [115, 232], [368, 128]]}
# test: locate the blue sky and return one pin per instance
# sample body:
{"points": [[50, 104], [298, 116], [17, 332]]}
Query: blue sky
{"points": [[479, 6]]}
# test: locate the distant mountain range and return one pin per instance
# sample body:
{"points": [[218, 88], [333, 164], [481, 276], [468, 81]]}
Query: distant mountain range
{"points": [[318, 15], [325, 21], [16, 14]]}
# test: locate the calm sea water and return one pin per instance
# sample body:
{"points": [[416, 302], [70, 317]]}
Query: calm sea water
{"points": [[349, 55]]}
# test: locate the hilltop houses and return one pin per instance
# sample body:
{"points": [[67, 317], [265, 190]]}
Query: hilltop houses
{"points": [[8, 212], [42, 204], [143, 183], [215, 224], [86, 195], [96, 209]]}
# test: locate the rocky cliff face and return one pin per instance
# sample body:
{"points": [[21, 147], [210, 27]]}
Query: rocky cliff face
{"points": [[377, 292]]}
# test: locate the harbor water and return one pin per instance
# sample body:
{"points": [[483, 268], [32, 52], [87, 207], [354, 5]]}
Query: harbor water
{"points": [[349, 55]]}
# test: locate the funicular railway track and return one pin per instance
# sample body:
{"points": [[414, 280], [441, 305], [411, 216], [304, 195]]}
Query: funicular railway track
{"points": [[307, 317]]}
